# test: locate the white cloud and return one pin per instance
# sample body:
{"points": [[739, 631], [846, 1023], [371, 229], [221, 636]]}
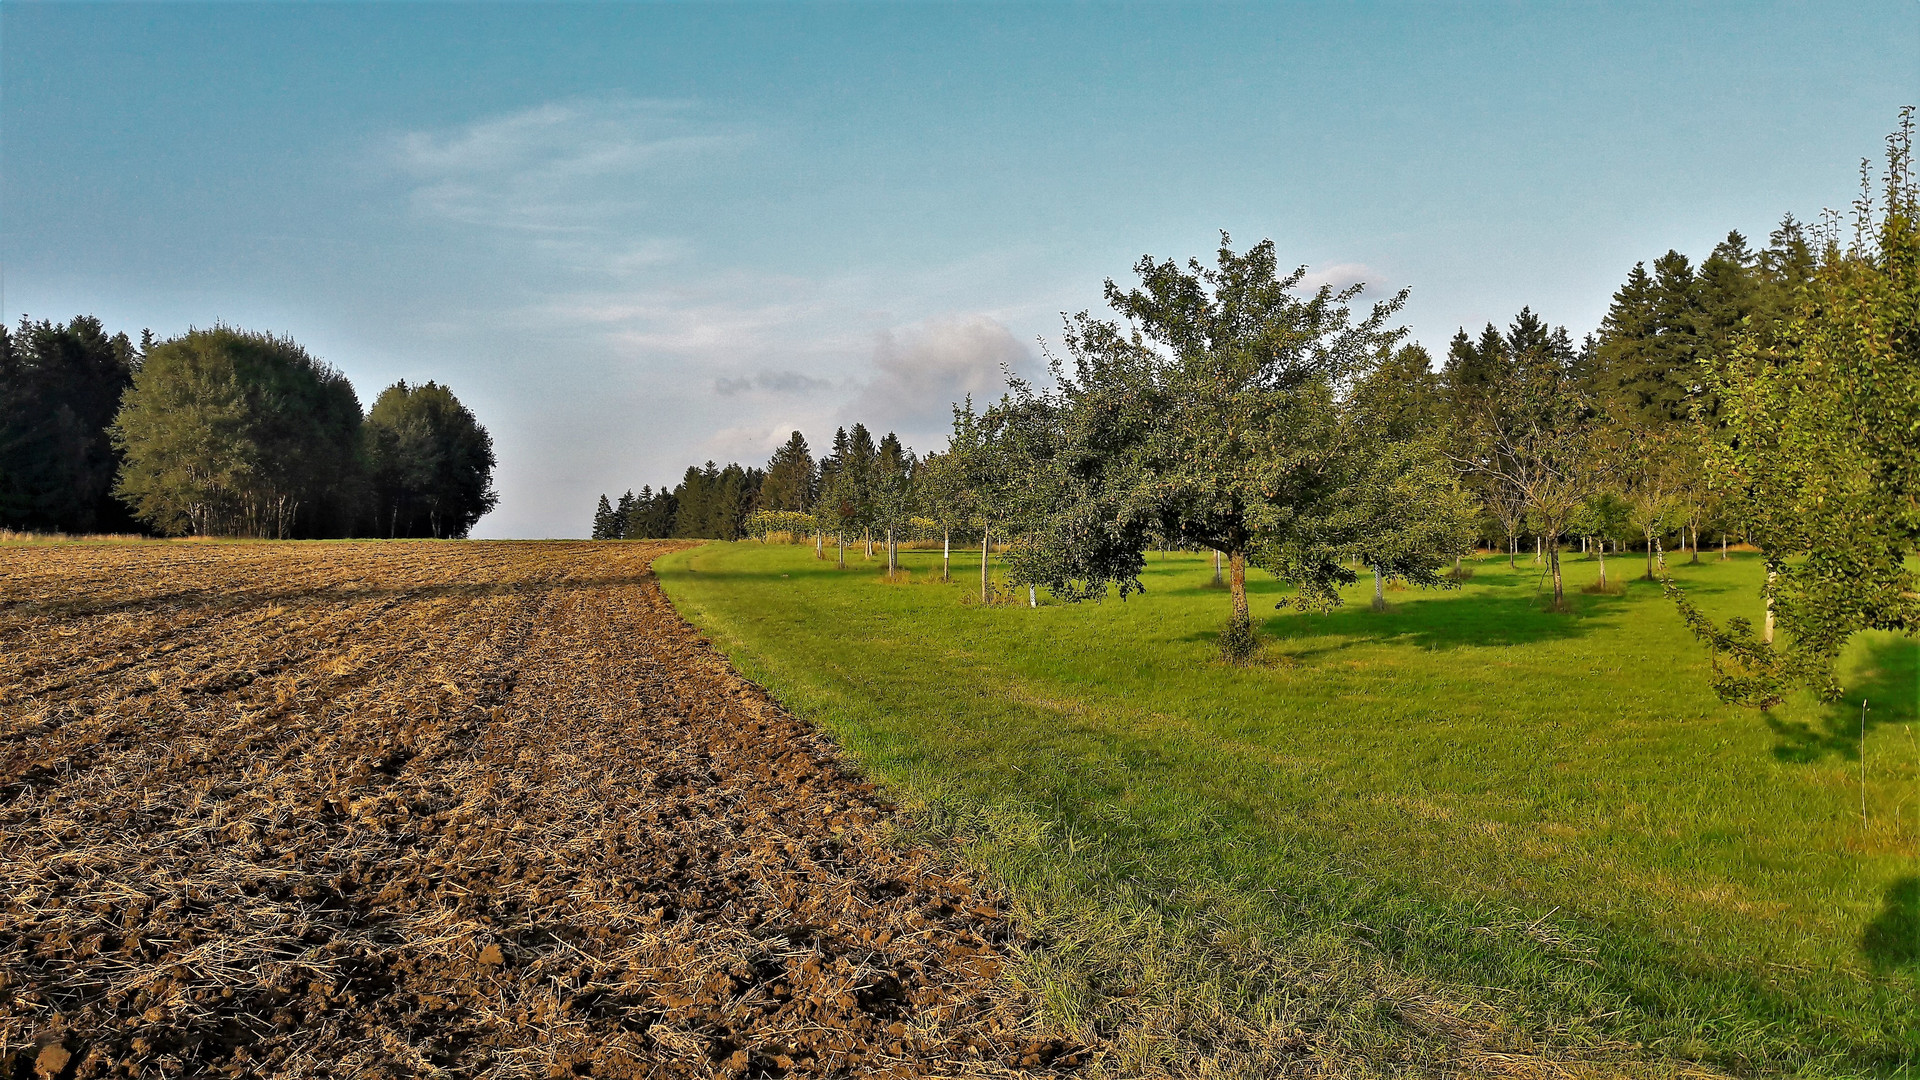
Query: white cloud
{"points": [[1341, 275]]}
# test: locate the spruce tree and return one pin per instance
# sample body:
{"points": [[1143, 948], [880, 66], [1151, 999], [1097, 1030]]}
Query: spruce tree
{"points": [[790, 477]]}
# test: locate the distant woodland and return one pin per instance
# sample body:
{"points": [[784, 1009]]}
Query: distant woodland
{"points": [[224, 432]]}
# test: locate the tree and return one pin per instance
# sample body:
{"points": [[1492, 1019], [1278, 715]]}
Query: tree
{"points": [[978, 476], [1473, 381], [893, 501], [942, 497], [1651, 465], [603, 526], [859, 478], [1818, 462], [839, 501], [1603, 517], [430, 463], [713, 503], [1644, 362], [1401, 495], [1212, 418], [653, 514], [1534, 436], [59, 389], [231, 433], [791, 479]]}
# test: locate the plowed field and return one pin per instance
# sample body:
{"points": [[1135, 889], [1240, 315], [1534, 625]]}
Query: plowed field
{"points": [[445, 809]]}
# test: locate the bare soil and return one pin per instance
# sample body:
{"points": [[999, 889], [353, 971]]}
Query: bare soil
{"points": [[418, 809]]}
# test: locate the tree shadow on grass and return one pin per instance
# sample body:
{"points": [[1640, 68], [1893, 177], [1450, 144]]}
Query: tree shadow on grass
{"points": [[1888, 677], [1891, 942], [1458, 622]]}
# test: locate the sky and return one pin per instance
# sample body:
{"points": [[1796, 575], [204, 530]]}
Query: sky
{"points": [[636, 236]]}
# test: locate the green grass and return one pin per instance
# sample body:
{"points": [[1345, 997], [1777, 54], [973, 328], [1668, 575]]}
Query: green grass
{"points": [[1461, 826]]}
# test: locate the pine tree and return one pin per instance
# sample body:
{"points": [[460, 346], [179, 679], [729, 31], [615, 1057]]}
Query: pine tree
{"points": [[603, 520]]}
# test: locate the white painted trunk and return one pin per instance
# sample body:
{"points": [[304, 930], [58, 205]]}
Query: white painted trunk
{"points": [[1766, 632], [983, 566]]}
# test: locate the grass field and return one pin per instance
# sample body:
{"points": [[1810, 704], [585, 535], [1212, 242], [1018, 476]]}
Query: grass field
{"points": [[1463, 830]]}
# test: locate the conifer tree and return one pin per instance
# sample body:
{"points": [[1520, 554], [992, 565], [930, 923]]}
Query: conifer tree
{"points": [[60, 386], [791, 477], [603, 521]]}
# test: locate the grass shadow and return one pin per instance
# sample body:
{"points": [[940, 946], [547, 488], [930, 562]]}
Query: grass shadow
{"points": [[1888, 678], [1892, 940], [1465, 622]]}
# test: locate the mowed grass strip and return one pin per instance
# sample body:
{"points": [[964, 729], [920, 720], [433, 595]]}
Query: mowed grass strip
{"points": [[1462, 826]]}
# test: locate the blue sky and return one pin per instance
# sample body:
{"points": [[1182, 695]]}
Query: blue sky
{"points": [[636, 236]]}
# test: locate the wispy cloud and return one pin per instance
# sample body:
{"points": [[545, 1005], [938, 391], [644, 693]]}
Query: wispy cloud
{"points": [[568, 166]]}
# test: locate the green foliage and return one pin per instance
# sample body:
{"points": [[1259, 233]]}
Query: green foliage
{"points": [[1401, 496], [791, 480], [1531, 436], [232, 433], [1819, 463], [712, 503], [59, 389], [762, 522], [429, 462], [1224, 414]]}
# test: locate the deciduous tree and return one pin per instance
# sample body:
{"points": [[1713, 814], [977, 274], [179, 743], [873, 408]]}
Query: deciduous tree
{"points": [[431, 463], [1819, 465], [232, 433]]}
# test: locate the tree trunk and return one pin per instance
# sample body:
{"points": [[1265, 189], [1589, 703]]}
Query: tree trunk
{"points": [[1379, 592], [841, 538], [946, 554], [1553, 560], [893, 561], [1513, 552], [1536, 551], [1033, 598], [1216, 566], [869, 545], [1723, 545], [1237, 580], [1603, 565], [819, 550], [1766, 632], [983, 565], [1696, 545], [1649, 576]]}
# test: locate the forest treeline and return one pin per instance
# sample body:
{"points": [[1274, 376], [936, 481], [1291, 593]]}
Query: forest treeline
{"points": [[1767, 394], [224, 432]]}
